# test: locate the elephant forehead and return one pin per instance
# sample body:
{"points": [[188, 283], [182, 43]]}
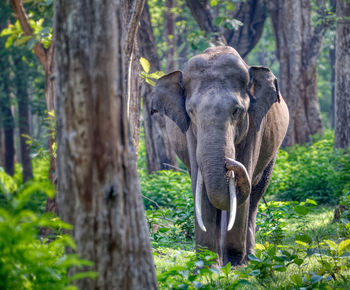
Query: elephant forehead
{"points": [[222, 65]]}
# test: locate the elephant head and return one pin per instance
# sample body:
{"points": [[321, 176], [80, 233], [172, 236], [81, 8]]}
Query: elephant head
{"points": [[217, 96]]}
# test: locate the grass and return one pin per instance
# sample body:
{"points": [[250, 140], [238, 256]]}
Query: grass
{"points": [[318, 224]]}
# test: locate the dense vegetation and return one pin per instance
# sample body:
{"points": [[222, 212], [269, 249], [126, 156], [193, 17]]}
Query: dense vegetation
{"points": [[298, 243]]}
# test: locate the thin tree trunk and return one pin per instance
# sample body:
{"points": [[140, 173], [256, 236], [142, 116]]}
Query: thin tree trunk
{"points": [[2, 147], [99, 192], [342, 77], [135, 97], [298, 48], [169, 33], [23, 117], [9, 128], [158, 148], [332, 63]]}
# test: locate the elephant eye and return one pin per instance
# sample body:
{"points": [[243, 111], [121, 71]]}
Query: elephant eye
{"points": [[237, 110]]}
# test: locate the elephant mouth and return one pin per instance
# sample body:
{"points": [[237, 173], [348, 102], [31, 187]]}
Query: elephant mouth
{"points": [[238, 177]]}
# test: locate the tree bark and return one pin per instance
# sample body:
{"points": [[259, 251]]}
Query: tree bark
{"points": [[23, 116], [6, 117], [99, 192], [169, 33], [342, 76], [298, 48], [134, 103], [158, 149]]}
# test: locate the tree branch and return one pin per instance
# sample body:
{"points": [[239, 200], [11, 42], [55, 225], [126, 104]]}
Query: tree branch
{"points": [[136, 12], [315, 45], [21, 15]]}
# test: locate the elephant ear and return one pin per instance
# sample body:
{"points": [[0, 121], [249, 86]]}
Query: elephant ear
{"points": [[169, 99], [264, 92]]}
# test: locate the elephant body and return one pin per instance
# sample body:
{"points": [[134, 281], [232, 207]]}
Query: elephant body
{"points": [[218, 109]]}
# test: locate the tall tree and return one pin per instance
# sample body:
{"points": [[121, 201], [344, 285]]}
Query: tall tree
{"points": [[298, 48], [342, 76], [158, 149], [6, 117], [99, 190], [46, 58], [21, 79], [169, 33]]}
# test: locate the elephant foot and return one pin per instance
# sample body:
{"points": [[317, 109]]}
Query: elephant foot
{"points": [[237, 259]]}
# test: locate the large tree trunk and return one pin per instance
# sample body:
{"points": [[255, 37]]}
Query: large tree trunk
{"points": [[298, 48], [342, 78], [99, 191], [23, 116], [158, 149]]}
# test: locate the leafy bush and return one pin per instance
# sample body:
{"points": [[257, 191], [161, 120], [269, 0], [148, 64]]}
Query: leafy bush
{"points": [[316, 172], [26, 261], [169, 205]]}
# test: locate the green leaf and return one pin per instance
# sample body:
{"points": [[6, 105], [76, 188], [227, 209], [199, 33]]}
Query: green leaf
{"points": [[296, 279], [230, 6], [254, 273], [344, 245], [280, 268], [298, 261], [254, 258], [213, 3], [315, 279], [145, 64], [304, 238], [163, 230], [332, 245], [149, 81], [226, 270], [301, 210], [310, 201]]}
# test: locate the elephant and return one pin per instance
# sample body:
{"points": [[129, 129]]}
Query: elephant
{"points": [[226, 121]]}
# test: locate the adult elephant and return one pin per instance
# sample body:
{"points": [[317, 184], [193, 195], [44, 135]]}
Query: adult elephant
{"points": [[226, 122]]}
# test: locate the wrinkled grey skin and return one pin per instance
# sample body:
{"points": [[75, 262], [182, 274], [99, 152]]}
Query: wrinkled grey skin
{"points": [[220, 107]]}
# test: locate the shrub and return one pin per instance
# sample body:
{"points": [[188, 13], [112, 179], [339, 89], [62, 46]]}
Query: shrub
{"points": [[26, 260], [316, 172]]}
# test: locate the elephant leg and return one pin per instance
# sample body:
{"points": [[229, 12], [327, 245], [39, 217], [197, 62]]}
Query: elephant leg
{"points": [[235, 241], [255, 196]]}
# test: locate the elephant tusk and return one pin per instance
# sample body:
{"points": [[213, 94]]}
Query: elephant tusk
{"points": [[198, 201], [242, 176], [233, 202]]}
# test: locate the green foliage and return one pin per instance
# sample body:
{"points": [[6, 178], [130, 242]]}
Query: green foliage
{"points": [[315, 171], [169, 206], [26, 260], [146, 75]]}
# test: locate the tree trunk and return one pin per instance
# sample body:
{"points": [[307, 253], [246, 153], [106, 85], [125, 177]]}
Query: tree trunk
{"points": [[158, 149], [169, 33], [23, 116], [2, 147], [298, 48], [99, 191], [134, 106], [342, 76], [9, 128]]}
